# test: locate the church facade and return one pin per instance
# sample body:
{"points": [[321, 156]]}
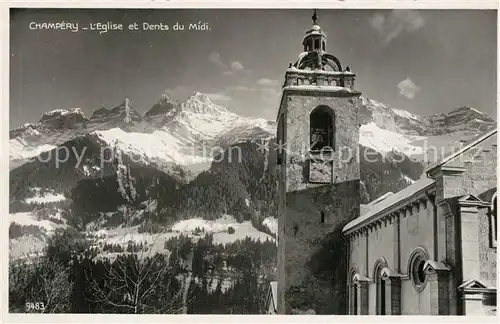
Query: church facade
{"points": [[429, 249]]}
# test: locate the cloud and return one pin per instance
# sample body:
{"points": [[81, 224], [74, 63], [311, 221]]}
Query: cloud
{"points": [[392, 25], [377, 21], [241, 88], [267, 82], [214, 57], [181, 93], [229, 69], [270, 95], [408, 88], [237, 66], [218, 96]]}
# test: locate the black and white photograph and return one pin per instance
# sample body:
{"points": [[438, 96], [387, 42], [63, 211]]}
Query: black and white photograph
{"points": [[246, 161]]}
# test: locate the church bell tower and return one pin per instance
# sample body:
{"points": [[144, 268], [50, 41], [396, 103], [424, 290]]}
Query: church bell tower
{"points": [[318, 179]]}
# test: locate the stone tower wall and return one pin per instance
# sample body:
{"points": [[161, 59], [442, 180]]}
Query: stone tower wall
{"points": [[312, 260]]}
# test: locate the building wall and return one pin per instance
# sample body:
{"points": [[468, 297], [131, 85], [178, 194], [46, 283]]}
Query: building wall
{"points": [[380, 244], [487, 253], [414, 302], [416, 231], [357, 258]]}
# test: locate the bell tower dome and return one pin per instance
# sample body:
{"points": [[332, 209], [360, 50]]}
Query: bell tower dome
{"points": [[315, 55], [315, 38]]}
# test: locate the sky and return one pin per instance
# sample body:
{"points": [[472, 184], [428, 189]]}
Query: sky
{"points": [[425, 61]]}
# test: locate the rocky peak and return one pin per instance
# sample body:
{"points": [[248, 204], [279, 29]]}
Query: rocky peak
{"points": [[462, 118], [389, 118], [123, 113], [165, 106], [63, 119], [27, 131], [200, 103]]}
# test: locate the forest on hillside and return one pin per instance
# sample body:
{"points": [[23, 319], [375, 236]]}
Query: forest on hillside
{"points": [[75, 276]]}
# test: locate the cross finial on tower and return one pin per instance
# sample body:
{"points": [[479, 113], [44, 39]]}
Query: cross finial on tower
{"points": [[315, 16]]}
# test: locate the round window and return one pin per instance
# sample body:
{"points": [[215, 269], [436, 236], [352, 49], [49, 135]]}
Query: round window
{"points": [[417, 272]]}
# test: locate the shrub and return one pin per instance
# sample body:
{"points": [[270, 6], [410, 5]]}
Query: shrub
{"points": [[230, 230]]}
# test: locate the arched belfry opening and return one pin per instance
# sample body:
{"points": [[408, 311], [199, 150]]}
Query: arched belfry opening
{"points": [[322, 129]]}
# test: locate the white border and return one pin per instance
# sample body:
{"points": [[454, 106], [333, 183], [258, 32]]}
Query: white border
{"points": [[153, 4]]}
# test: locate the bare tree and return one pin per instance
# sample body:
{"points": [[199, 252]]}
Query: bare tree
{"points": [[19, 276], [140, 282], [40, 286], [55, 288]]}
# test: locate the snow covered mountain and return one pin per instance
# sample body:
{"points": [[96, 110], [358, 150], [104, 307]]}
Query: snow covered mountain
{"points": [[387, 129], [169, 134], [187, 134], [460, 119]]}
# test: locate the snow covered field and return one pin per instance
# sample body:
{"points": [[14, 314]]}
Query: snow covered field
{"points": [[194, 228], [48, 197]]}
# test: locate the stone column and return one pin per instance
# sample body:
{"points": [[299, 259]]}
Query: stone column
{"points": [[490, 303], [397, 242], [363, 297], [290, 79], [321, 80], [443, 213], [351, 287], [472, 304], [470, 241], [393, 296], [438, 281]]}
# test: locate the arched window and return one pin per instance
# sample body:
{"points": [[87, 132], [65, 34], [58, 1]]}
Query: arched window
{"points": [[322, 132], [353, 293], [354, 299], [380, 286], [323, 45], [316, 44], [493, 221]]}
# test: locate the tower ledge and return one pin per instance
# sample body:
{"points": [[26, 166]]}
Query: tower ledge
{"points": [[314, 87], [298, 77]]}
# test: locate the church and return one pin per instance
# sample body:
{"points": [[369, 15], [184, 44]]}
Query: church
{"points": [[429, 249]]}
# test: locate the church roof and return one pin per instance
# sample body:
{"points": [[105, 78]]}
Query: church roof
{"points": [[390, 201]]}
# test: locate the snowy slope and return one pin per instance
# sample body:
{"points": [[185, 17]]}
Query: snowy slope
{"points": [[382, 140], [31, 244]]}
